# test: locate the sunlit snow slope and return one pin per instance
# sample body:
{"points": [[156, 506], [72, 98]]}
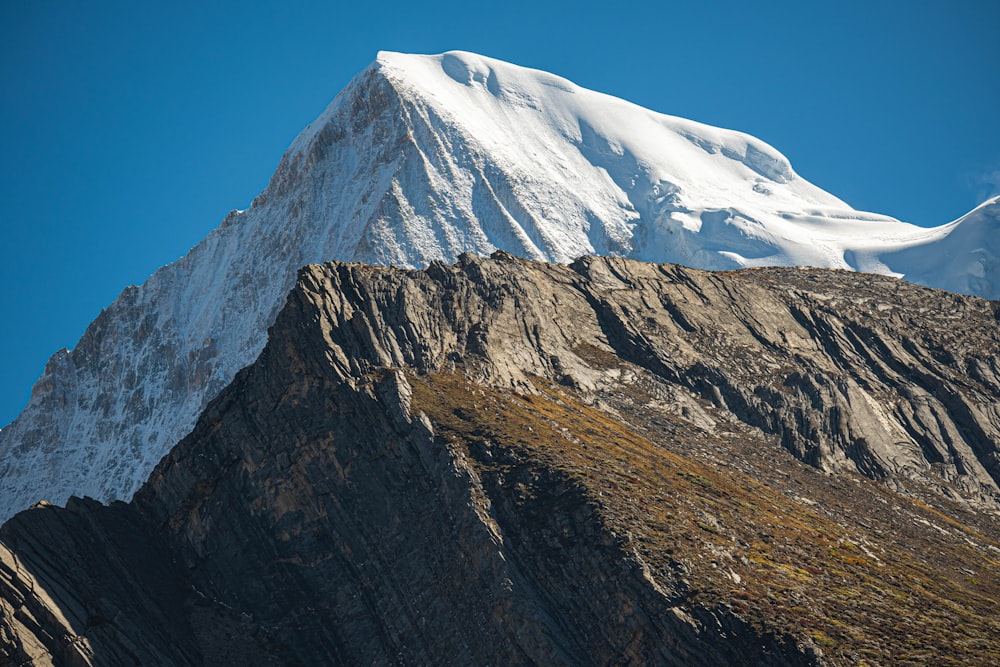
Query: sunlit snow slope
{"points": [[423, 158]]}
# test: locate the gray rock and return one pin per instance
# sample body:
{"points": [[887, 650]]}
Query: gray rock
{"points": [[312, 518]]}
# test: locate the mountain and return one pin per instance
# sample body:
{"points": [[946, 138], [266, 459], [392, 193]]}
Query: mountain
{"points": [[511, 462], [422, 158]]}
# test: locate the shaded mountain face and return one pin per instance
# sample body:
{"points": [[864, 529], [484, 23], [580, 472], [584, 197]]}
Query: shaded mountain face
{"points": [[508, 462], [422, 158]]}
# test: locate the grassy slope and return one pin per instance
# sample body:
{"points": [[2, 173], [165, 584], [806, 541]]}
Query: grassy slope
{"points": [[867, 575]]}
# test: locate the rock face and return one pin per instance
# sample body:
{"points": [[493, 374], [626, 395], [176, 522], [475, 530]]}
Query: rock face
{"points": [[422, 158], [508, 462]]}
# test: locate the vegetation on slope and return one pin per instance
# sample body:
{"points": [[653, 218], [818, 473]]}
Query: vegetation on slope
{"points": [[890, 594]]}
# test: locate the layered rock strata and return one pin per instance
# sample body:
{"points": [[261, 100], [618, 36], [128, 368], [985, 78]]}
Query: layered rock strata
{"points": [[507, 462]]}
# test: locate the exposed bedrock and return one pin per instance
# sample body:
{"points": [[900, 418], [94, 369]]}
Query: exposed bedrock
{"points": [[508, 462]]}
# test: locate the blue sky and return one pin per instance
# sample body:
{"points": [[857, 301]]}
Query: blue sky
{"points": [[128, 130]]}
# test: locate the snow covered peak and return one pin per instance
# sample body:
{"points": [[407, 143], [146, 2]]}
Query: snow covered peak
{"points": [[422, 158], [565, 107], [538, 166]]}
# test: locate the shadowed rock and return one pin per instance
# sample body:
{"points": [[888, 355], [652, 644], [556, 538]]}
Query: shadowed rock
{"points": [[507, 462]]}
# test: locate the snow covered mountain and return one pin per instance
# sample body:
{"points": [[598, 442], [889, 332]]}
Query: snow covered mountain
{"points": [[422, 158]]}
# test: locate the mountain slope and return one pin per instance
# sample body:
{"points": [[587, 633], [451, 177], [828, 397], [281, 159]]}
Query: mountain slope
{"points": [[508, 462], [959, 257], [423, 158]]}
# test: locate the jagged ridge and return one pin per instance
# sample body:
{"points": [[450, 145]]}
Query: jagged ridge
{"points": [[506, 461], [422, 158]]}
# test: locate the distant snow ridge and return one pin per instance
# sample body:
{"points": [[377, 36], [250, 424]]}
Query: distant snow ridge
{"points": [[422, 158]]}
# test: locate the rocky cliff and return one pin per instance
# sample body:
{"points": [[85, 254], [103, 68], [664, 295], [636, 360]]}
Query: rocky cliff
{"points": [[422, 158], [508, 462]]}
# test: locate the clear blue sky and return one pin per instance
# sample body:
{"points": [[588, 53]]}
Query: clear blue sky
{"points": [[129, 129]]}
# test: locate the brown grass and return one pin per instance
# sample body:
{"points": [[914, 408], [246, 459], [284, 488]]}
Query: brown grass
{"points": [[878, 597]]}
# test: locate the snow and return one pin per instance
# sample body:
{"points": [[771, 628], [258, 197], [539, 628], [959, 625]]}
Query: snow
{"points": [[421, 158]]}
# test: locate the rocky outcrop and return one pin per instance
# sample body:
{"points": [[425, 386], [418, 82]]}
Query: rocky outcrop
{"points": [[89, 585], [865, 373], [507, 462], [422, 158]]}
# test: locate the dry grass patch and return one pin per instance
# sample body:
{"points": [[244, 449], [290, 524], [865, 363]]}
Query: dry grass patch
{"points": [[738, 543]]}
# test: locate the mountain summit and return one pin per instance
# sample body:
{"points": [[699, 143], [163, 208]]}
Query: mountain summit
{"points": [[422, 158]]}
